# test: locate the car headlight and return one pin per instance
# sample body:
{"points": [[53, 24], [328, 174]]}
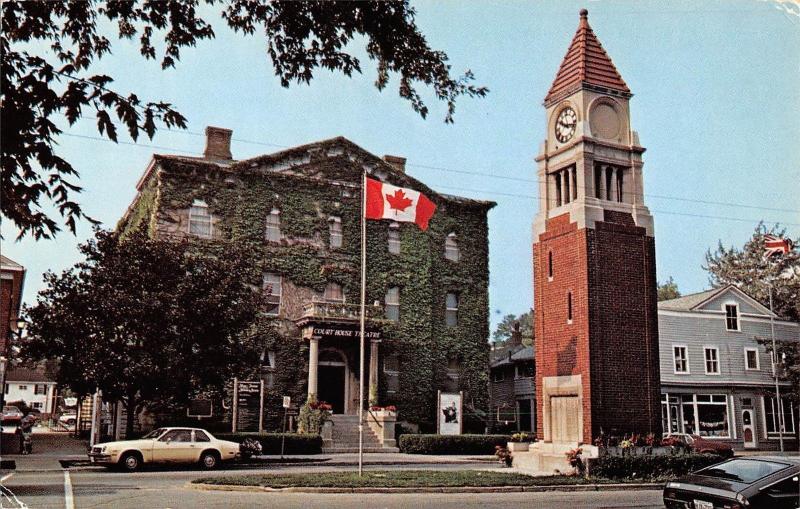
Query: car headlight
{"points": [[103, 449]]}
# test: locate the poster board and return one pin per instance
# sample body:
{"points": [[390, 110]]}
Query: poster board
{"points": [[450, 417]]}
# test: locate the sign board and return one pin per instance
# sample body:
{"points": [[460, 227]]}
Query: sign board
{"points": [[200, 407], [450, 419], [287, 402], [248, 405], [344, 331]]}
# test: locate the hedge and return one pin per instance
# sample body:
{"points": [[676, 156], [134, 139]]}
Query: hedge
{"points": [[271, 442], [651, 467], [451, 444]]}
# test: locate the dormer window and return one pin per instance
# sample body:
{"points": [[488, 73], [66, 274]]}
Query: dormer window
{"points": [[732, 317], [451, 251], [335, 225], [200, 220], [273, 229]]}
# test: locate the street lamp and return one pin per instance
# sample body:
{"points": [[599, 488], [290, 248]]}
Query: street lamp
{"points": [[15, 329]]}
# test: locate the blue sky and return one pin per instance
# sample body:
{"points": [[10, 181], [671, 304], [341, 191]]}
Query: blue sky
{"points": [[715, 103]]}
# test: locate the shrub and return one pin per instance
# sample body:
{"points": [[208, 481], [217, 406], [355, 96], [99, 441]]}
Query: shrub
{"points": [[451, 444], [271, 442], [651, 467]]}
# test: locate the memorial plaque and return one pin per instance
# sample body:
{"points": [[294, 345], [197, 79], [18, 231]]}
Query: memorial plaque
{"points": [[248, 405]]}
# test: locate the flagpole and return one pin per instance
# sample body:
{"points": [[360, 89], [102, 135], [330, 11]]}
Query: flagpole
{"points": [[361, 324], [779, 406]]}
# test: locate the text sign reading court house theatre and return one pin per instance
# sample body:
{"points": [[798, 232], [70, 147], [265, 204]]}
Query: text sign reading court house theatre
{"points": [[344, 332]]}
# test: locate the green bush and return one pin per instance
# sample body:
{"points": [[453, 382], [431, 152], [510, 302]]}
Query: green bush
{"points": [[451, 444], [651, 467], [271, 442]]}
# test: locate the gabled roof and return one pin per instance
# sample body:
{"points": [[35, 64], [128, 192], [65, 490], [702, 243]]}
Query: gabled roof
{"points": [[696, 301], [586, 63], [26, 374], [9, 264]]}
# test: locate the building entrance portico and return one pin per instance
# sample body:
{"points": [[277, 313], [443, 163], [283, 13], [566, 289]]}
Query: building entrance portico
{"points": [[333, 334]]}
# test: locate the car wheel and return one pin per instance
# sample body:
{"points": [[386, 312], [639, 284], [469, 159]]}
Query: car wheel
{"points": [[209, 460], [130, 461]]}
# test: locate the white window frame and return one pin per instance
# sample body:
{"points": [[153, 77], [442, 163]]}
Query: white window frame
{"points": [[272, 293], [788, 432], [738, 316], [393, 245], [22, 387], [675, 359], [388, 303], [758, 359], [451, 250], [208, 216], [335, 232], [273, 227], [449, 310], [706, 348]]}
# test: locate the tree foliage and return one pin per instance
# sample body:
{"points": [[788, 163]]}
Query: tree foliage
{"points": [[747, 268], [300, 37], [506, 327], [668, 290], [145, 321]]}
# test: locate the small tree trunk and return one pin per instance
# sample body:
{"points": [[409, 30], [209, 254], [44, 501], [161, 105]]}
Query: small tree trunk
{"points": [[130, 412]]}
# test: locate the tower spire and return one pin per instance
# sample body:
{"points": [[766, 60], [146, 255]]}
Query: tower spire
{"points": [[586, 64]]}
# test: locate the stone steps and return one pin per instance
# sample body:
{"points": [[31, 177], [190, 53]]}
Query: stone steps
{"points": [[345, 437]]}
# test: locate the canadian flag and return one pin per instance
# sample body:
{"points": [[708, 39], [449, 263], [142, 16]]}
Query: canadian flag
{"points": [[385, 201]]}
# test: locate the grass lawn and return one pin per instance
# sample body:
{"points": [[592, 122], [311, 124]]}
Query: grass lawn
{"points": [[396, 479]]}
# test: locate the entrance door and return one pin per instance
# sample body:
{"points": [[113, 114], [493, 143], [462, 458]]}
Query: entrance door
{"points": [[748, 430], [331, 387], [564, 425]]}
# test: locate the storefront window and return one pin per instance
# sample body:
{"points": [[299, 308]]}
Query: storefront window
{"points": [[771, 413], [712, 415]]}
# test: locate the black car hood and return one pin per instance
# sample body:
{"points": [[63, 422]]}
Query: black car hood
{"points": [[713, 484]]}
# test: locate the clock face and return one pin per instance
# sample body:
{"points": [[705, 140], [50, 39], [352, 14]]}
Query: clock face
{"points": [[565, 125]]}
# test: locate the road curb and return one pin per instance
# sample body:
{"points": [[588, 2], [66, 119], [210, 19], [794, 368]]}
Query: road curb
{"points": [[439, 489]]}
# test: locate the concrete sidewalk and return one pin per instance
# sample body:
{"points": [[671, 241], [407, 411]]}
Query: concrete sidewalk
{"points": [[48, 450]]}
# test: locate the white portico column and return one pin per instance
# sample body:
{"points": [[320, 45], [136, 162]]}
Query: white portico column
{"points": [[313, 364], [373, 371]]}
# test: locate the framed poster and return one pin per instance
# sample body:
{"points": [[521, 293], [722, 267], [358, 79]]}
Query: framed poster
{"points": [[450, 416]]}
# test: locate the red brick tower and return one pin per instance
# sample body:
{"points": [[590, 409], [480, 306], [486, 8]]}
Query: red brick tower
{"points": [[593, 259]]}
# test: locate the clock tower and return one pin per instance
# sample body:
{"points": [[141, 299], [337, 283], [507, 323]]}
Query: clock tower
{"points": [[597, 368]]}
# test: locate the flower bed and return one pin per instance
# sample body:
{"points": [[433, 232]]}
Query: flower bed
{"points": [[649, 467], [295, 443]]}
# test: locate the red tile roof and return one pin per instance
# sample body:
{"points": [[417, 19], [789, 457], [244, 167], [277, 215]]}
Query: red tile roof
{"points": [[586, 62]]}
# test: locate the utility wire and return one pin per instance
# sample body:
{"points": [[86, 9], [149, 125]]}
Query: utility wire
{"points": [[512, 195]]}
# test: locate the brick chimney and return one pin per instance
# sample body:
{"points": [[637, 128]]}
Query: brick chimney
{"points": [[398, 162], [218, 143]]}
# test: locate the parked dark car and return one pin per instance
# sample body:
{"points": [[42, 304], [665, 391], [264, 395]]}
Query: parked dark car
{"points": [[703, 445], [768, 482]]}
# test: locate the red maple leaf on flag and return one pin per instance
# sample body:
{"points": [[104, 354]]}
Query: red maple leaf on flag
{"points": [[399, 201]]}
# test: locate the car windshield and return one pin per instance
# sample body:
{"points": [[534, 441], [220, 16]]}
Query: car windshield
{"points": [[742, 470], [155, 433]]}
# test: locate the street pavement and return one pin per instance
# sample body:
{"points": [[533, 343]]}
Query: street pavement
{"points": [[40, 481], [169, 490]]}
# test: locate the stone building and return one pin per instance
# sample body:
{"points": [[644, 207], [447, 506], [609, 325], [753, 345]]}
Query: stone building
{"points": [[298, 212], [593, 259]]}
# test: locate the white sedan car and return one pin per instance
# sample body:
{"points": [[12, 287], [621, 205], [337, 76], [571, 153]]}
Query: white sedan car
{"points": [[166, 445]]}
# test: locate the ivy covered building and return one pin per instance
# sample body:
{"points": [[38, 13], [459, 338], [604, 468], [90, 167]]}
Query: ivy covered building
{"points": [[298, 212]]}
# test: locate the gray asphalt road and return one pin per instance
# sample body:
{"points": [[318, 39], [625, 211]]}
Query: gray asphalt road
{"points": [[167, 489]]}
